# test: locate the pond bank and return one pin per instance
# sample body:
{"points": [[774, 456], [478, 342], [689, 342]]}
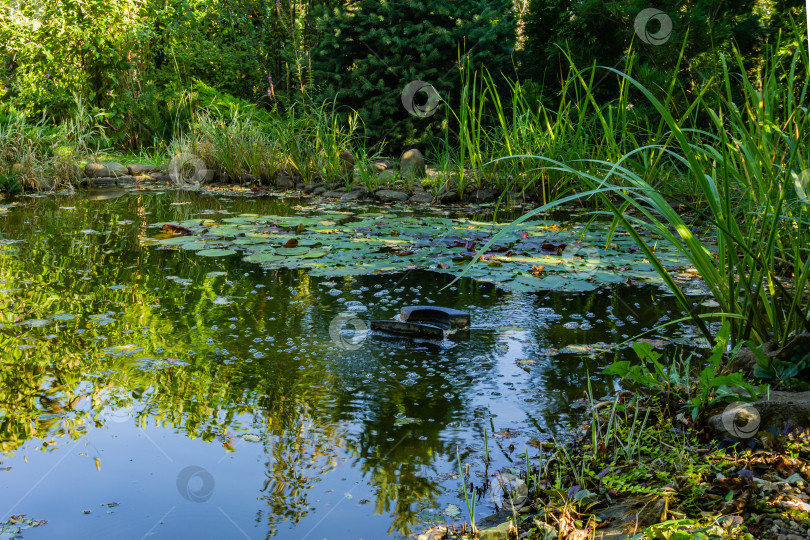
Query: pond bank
{"points": [[669, 479]]}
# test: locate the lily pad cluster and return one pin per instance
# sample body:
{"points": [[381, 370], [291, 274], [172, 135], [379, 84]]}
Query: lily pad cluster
{"points": [[538, 255]]}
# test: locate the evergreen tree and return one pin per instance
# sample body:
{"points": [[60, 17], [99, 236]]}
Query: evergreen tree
{"points": [[371, 50], [601, 32]]}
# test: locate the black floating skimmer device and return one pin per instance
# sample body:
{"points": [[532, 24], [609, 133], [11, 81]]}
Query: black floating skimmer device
{"points": [[424, 322]]}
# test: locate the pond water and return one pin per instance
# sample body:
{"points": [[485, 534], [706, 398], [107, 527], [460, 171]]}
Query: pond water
{"points": [[148, 391]]}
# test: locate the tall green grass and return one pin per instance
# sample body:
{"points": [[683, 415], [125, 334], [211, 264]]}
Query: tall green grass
{"points": [[744, 166]]}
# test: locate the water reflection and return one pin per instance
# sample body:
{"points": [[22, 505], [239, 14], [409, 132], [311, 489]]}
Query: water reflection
{"points": [[98, 332]]}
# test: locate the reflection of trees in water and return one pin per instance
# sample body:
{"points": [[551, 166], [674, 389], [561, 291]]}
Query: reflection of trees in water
{"points": [[45, 392], [62, 386], [299, 452]]}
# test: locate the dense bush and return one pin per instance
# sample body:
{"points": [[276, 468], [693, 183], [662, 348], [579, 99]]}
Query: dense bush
{"points": [[370, 51], [602, 33]]}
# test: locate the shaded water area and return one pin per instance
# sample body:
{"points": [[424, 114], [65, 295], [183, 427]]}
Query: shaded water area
{"points": [[154, 392]]}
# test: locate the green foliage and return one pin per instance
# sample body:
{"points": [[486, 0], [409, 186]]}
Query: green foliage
{"points": [[600, 32], [773, 369], [370, 51], [709, 388]]}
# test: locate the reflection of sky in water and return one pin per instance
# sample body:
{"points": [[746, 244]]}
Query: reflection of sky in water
{"points": [[153, 361]]}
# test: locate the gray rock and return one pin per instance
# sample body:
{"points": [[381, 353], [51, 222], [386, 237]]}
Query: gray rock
{"points": [[104, 170], [389, 195], [346, 161], [744, 421], [138, 169], [421, 196], [318, 190], [412, 164], [498, 532], [377, 167], [284, 181], [449, 197], [157, 174], [484, 195], [310, 188], [353, 195]]}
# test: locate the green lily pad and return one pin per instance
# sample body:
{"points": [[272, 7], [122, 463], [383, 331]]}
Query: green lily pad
{"points": [[216, 252]]}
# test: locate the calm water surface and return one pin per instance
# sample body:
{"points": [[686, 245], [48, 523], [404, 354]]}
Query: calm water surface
{"points": [[154, 393]]}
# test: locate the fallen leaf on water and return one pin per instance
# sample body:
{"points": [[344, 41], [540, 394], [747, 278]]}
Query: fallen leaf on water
{"points": [[176, 230], [291, 243]]}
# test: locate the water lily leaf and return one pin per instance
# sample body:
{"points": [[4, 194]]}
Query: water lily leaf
{"points": [[216, 252], [292, 251], [264, 258]]}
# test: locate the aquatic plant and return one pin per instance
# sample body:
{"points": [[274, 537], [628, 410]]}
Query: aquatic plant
{"points": [[755, 261]]}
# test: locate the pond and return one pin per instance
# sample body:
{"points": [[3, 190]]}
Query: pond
{"points": [[148, 390]]}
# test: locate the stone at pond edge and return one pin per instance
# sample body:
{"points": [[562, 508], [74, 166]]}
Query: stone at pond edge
{"points": [[408, 329], [449, 197], [284, 181], [104, 170], [746, 360], [353, 195], [389, 195], [412, 164], [453, 318], [499, 532], [484, 195], [346, 161], [109, 181], [138, 169], [421, 196], [782, 410]]}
